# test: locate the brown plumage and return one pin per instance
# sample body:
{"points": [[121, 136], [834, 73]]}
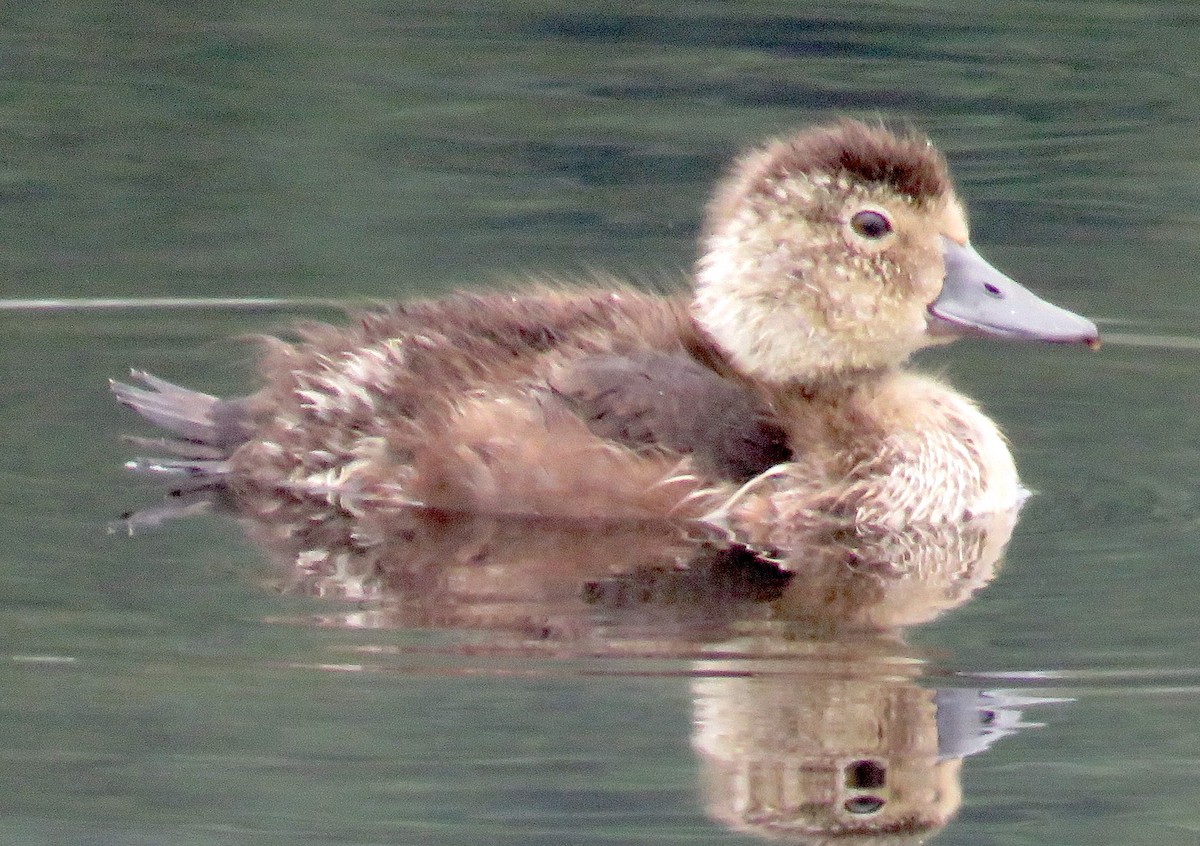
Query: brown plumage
{"points": [[769, 401]]}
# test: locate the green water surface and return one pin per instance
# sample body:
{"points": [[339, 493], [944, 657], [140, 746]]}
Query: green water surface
{"points": [[159, 690]]}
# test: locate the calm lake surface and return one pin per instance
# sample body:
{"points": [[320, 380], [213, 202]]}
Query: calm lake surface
{"points": [[171, 688]]}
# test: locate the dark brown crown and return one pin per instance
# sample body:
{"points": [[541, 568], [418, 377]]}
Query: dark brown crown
{"points": [[907, 164]]}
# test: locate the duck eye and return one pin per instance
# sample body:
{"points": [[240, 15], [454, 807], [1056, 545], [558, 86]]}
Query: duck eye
{"points": [[871, 224]]}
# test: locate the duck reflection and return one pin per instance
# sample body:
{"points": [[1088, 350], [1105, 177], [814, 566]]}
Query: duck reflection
{"points": [[811, 722], [835, 741], [848, 745], [599, 579]]}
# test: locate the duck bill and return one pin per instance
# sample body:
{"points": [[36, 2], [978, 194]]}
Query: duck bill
{"points": [[977, 299]]}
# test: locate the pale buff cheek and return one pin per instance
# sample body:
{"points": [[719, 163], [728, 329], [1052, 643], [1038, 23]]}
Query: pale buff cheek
{"points": [[872, 329], [952, 222], [780, 333], [787, 301], [928, 284]]}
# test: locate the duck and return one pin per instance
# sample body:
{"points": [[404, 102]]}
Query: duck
{"points": [[771, 395]]}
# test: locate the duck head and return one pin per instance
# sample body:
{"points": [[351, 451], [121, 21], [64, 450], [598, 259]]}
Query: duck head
{"points": [[844, 249]]}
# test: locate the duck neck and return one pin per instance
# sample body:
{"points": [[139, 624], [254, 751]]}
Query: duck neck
{"points": [[842, 411], [840, 403], [835, 387], [821, 385]]}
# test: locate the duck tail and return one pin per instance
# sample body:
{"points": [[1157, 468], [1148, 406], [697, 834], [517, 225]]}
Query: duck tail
{"points": [[208, 429]]}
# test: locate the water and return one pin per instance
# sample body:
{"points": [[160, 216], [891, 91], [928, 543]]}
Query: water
{"points": [[162, 689]]}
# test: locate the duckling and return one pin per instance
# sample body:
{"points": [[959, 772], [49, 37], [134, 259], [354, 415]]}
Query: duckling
{"points": [[772, 396]]}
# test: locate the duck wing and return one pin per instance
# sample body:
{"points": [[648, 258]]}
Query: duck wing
{"points": [[669, 401]]}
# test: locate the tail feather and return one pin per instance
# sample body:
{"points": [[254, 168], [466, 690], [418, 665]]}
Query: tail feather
{"points": [[190, 414], [208, 429], [198, 418], [176, 448], [176, 467], [196, 461]]}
